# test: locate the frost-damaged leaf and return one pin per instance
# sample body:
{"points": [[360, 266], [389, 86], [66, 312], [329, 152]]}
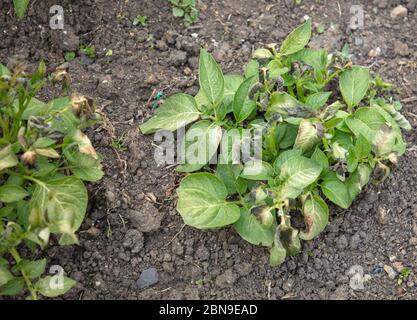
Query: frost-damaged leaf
{"points": [[287, 105], [284, 156], [54, 286], [354, 84], [210, 77], [59, 202], [316, 216], [257, 170], [176, 112], [296, 175], [308, 135], [317, 100], [385, 141], [201, 143], [7, 158], [242, 105], [202, 202], [84, 166], [358, 180], [252, 230], [317, 58], [297, 39]]}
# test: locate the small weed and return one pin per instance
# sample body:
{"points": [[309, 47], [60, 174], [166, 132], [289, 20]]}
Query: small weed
{"points": [[140, 21]]}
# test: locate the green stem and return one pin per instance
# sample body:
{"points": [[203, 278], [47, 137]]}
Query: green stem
{"points": [[17, 258], [333, 75]]}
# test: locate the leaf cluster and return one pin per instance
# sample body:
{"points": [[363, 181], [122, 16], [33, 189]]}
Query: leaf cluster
{"points": [[327, 130], [44, 158], [186, 9]]}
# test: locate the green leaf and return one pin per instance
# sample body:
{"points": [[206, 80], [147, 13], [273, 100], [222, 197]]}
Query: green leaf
{"points": [[297, 39], [202, 202], [251, 69], [5, 276], [365, 122], [84, 166], [278, 252], [34, 269], [318, 100], [177, 12], [43, 142], [242, 105], [210, 77], [4, 71], [12, 287], [316, 217], [34, 108], [354, 84], [319, 157], [12, 193], [317, 58], [7, 158], [176, 112], [296, 175], [358, 180], [54, 286], [201, 143], [262, 53], [285, 156], [336, 192], [62, 202], [307, 136], [251, 229], [257, 170], [20, 7], [229, 174]]}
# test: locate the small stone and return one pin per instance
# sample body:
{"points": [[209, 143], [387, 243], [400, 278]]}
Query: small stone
{"points": [[398, 266], [93, 231], [171, 36], [178, 57], [147, 219], [110, 197], [188, 71], [244, 268], [202, 253], [354, 241], [390, 271], [151, 80], [86, 60], [399, 12], [374, 52], [226, 279], [401, 48], [66, 39], [342, 242], [147, 278], [161, 45], [413, 241], [382, 215], [193, 63], [382, 4], [134, 240], [142, 36], [411, 5]]}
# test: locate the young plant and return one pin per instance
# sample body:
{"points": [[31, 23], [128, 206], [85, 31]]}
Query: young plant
{"points": [[44, 158], [327, 127], [88, 50], [186, 9], [140, 20], [20, 7]]}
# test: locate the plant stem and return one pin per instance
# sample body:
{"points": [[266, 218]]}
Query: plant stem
{"points": [[17, 258]]}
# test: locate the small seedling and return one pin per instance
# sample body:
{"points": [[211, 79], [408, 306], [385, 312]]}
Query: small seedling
{"points": [[321, 28], [109, 53], [20, 7], [88, 50], [140, 21], [69, 56], [326, 130], [119, 144], [186, 9], [404, 274]]}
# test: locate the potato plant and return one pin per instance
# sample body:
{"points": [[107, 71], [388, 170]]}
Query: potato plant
{"points": [[44, 158], [186, 9], [328, 128]]}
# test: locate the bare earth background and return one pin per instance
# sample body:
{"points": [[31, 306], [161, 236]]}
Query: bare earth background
{"points": [[132, 224]]}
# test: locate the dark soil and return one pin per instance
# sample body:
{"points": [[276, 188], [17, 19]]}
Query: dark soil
{"points": [[116, 246]]}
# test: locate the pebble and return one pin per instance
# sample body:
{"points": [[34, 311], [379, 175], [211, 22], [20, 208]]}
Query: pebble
{"points": [[161, 45], [142, 36], [342, 242], [382, 4], [147, 219], [374, 52], [399, 12], [147, 278], [178, 57], [382, 215], [401, 48], [133, 239], [390, 271], [226, 279]]}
